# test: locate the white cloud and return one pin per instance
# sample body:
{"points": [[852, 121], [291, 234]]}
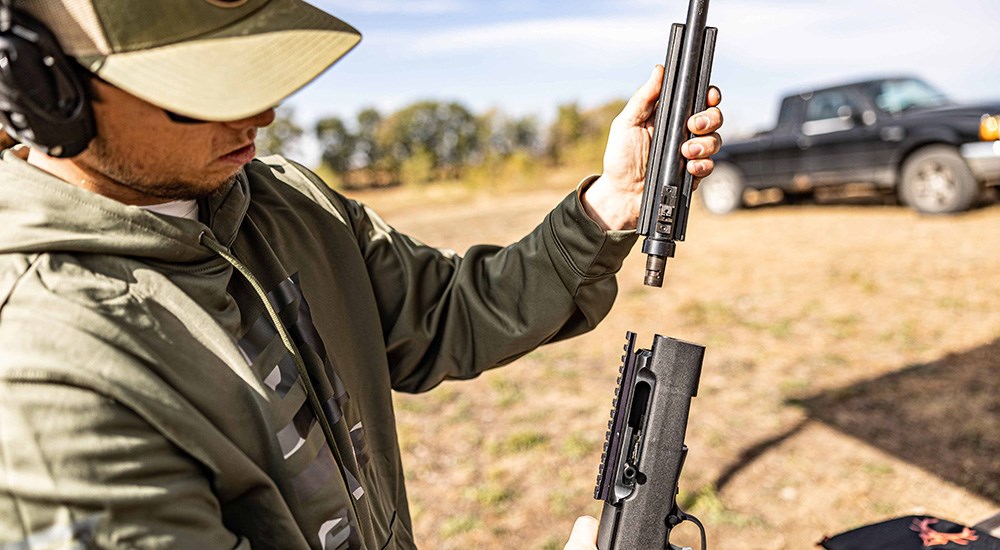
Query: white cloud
{"points": [[860, 32], [397, 7], [563, 35]]}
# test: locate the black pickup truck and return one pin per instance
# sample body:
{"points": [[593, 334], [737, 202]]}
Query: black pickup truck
{"points": [[898, 135]]}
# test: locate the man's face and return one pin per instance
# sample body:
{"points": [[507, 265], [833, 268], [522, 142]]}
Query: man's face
{"points": [[145, 157]]}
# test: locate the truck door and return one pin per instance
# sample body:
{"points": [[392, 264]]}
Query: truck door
{"points": [[780, 155], [836, 139]]}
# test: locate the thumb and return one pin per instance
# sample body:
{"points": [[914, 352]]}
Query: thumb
{"points": [[643, 102], [584, 535]]}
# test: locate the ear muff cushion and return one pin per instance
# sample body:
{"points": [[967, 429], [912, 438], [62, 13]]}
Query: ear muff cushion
{"points": [[43, 100]]}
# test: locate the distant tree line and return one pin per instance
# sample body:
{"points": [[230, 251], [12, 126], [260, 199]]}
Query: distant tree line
{"points": [[437, 140]]}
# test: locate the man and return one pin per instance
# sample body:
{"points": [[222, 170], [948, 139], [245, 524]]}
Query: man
{"points": [[197, 348]]}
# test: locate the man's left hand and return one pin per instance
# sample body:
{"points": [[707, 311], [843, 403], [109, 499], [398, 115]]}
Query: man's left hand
{"points": [[614, 199], [584, 535]]}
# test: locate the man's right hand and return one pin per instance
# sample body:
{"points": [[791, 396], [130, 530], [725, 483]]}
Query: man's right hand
{"points": [[584, 535], [615, 199]]}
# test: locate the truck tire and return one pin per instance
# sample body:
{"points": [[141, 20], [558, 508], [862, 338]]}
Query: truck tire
{"points": [[935, 180], [722, 192]]}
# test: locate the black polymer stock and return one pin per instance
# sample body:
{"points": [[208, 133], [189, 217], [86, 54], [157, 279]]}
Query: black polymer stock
{"points": [[644, 448], [666, 199]]}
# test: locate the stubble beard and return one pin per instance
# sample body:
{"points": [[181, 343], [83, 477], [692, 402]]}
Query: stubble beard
{"points": [[126, 175]]}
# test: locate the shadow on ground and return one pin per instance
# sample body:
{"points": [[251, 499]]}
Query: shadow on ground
{"points": [[942, 416]]}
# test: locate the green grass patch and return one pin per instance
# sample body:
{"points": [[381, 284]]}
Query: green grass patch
{"points": [[416, 404], [458, 525], [519, 442], [707, 504], [845, 326], [492, 494], [878, 468], [579, 445], [703, 313], [781, 329], [508, 392], [561, 502], [795, 387]]}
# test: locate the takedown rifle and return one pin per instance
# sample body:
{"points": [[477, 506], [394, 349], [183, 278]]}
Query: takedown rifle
{"points": [[644, 448]]}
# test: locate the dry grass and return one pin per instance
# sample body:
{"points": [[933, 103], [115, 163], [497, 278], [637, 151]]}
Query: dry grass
{"points": [[851, 376]]}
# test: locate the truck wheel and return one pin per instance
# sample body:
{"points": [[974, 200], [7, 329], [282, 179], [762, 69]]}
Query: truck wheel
{"points": [[935, 180], [722, 192]]}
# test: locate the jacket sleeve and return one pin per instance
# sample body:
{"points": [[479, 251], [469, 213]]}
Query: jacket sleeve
{"points": [[81, 470], [446, 316]]}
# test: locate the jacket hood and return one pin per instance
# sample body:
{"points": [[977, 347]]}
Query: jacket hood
{"points": [[42, 213]]}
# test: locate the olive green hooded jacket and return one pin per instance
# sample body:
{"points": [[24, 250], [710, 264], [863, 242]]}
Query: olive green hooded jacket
{"points": [[168, 383]]}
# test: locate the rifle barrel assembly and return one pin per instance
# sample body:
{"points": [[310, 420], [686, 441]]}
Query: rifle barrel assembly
{"points": [[666, 198]]}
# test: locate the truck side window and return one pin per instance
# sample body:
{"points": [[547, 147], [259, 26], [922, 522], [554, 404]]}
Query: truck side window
{"points": [[829, 111], [826, 105], [896, 96]]}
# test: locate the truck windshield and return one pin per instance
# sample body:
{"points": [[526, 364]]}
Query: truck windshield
{"points": [[896, 96]]}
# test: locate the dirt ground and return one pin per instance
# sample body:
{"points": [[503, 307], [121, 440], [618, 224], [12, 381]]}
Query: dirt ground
{"points": [[851, 376]]}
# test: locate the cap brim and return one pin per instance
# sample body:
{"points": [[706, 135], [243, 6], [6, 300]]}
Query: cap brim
{"points": [[238, 71]]}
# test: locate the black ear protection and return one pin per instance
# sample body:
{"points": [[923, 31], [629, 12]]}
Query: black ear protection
{"points": [[44, 98]]}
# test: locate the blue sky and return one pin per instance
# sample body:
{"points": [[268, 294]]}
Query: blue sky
{"points": [[527, 57]]}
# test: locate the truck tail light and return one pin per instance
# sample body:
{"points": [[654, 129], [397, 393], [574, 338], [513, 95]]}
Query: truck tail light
{"points": [[989, 128]]}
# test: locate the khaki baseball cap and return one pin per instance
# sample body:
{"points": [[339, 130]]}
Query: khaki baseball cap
{"points": [[206, 59]]}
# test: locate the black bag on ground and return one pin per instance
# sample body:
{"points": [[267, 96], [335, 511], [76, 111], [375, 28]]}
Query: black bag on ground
{"points": [[912, 533]]}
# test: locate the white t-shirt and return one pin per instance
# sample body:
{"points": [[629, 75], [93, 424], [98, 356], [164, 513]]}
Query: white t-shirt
{"points": [[178, 209]]}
